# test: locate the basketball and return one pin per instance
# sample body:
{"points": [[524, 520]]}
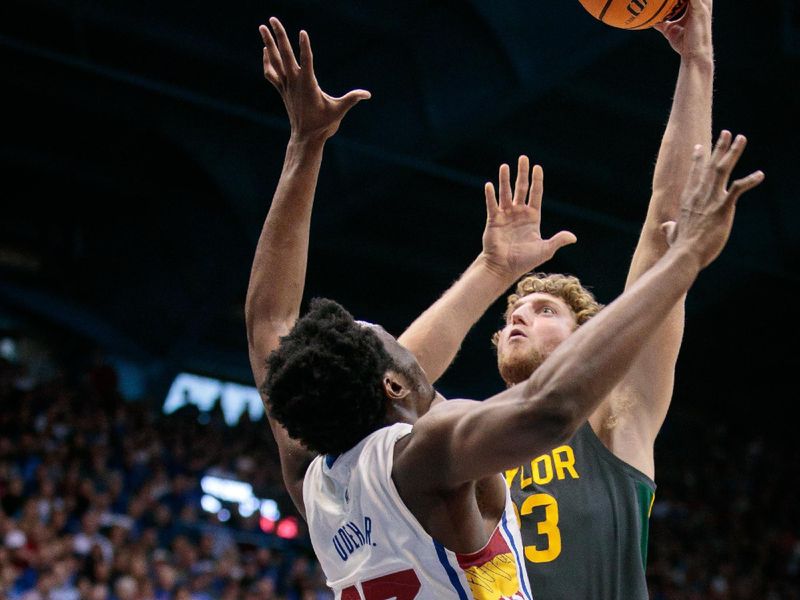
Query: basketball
{"points": [[634, 14]]}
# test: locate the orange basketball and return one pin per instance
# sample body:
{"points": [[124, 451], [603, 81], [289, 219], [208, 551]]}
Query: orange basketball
{"points": [[634, 14]]}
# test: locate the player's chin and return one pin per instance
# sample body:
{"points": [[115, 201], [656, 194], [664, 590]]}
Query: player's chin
{"points": [[516, 364]]}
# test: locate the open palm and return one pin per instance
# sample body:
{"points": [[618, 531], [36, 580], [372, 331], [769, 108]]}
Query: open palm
{"points": [[312, 112], [512, 240]]}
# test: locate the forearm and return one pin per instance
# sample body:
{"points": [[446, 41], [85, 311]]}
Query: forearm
{"points": [[586, 366], [278, 273], [547, 409], [689, 124], [277, 280], [436, 335]]}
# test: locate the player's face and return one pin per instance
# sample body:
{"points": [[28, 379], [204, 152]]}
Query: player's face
{"points": [[535, 325]]}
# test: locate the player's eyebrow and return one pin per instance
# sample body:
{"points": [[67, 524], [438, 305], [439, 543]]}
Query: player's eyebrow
{"points": [[536, 301]]}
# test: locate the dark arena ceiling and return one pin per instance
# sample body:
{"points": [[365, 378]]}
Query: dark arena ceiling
{"points": [[141, 145]]}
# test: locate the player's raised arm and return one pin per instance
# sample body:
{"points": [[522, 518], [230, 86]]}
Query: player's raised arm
{"points": [[689, 124], [464, 441], [638, 407], [278, 273], [512, 246]]}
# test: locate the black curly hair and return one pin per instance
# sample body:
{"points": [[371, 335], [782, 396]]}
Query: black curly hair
{"points": [[324, 381]]}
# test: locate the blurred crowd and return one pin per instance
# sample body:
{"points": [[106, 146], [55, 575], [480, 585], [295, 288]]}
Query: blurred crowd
{"points": [[725, 524], [100, 500]]}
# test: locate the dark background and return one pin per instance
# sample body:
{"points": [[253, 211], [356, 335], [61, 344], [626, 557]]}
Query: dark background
{"points": [[140, 147]]}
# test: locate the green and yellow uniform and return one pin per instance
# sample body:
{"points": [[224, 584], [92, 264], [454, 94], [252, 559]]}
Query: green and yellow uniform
{"points": [[584, 515]]}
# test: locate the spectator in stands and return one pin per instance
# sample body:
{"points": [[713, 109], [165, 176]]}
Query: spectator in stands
{"points": [[86, 499]]}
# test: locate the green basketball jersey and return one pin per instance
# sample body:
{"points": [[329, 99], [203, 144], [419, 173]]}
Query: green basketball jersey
{"points": [[584, 515]]}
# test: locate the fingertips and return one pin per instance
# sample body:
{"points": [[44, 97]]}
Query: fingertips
{"points": [[723, 142], [737, 147], [523, 164], [284, 46], [734, 153], [740, 186], [568, 237], [504, 175], [559, 240], [305, 42], [752, 180], [739, 141], [537, 188], [491, 198]]}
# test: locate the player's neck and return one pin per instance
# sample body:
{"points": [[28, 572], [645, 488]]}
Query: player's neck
{"points": [[402, 412]]}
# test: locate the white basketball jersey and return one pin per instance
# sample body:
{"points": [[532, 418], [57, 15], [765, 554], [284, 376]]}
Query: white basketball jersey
{"points": [[372, 548]]}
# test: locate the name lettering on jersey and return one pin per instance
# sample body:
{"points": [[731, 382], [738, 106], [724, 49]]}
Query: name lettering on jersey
{"points": [[350, 538], [559, 463]]}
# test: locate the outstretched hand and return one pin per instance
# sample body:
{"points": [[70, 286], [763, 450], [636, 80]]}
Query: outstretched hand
{"points": [[312, 112], [708, 204], [512, 240], [690, 36]]}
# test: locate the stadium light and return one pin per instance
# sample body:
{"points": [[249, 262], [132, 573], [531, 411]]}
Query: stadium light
{"points": [[288, 528], [217, 490], [204, 392]]}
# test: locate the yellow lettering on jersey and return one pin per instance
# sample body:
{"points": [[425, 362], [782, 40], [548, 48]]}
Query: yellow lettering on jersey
{"points": [[510, 474], [524, 481], [540, 477], [560, 462], [548, 527], [564, 459]]}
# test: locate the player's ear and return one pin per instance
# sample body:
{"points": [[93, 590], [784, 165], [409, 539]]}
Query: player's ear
{"points": [[395, 386]]}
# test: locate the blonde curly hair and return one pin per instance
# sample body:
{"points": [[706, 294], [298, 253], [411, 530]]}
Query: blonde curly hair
{"points": [[567, 287]]}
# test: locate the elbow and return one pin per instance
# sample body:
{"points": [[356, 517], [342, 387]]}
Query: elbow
{"points": [[249, 314], [249, 318], [261, 318], [249, 321], [264, 333], [268, 307], [251, 307]]}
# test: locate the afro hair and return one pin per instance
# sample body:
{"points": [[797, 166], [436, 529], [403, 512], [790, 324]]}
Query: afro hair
{"points": [[324, 381]]}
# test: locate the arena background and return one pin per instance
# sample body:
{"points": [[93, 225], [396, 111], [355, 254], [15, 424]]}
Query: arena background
{"points": [[140, 147]]}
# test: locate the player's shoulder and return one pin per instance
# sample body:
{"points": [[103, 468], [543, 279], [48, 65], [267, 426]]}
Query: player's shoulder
{"points": [[442, 415], [432, 431], [445, 409]]}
